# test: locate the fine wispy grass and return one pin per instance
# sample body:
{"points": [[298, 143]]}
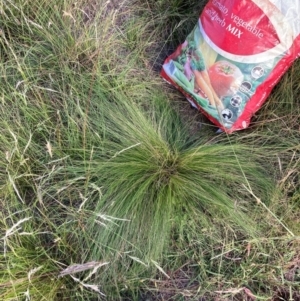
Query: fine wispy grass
{"points": [[107, 193]]}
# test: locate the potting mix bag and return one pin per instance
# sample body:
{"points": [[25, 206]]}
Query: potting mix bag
{"points": [[229, 63]]}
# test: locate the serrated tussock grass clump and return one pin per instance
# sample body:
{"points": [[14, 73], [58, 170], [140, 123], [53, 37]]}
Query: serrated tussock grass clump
{"points": [[152, 176]]}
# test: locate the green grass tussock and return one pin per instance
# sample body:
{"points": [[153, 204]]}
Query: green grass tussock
{"points": [[150, 180]]}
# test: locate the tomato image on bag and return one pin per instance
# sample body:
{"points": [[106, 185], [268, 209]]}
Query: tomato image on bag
{"points": [[237, 52]]}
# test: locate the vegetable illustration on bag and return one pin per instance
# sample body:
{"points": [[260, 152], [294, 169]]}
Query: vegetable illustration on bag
{"points": [[237, 52]]}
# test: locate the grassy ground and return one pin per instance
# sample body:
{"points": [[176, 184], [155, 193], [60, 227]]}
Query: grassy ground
{"points": [[110, 189]]}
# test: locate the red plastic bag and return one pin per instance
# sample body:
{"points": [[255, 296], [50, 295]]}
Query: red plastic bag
{"points": [[238, 51]]}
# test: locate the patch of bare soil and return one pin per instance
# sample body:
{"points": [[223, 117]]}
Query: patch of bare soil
{"points": [[179, 285], [293, 270], [286, 295], [193, 118]]}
